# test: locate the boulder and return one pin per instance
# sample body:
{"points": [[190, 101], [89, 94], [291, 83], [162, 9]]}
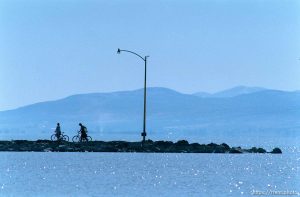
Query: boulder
{"points": [[276, 151], [261, 150], [225, 146], [256, 150], [212, 144], [220, 149], [235, 150], [182, 143]]}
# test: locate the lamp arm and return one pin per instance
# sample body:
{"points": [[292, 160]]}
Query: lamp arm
{"points": [[134, 54]]}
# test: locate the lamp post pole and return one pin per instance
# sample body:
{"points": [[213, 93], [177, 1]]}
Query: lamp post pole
{"points": [[143, 134]]}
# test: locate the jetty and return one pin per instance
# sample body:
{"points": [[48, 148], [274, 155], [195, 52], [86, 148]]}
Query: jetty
{"points": [[149, 146]]}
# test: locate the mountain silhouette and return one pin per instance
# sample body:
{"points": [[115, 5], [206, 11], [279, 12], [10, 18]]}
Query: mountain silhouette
{"points": [[235, 91], [170, 114]]}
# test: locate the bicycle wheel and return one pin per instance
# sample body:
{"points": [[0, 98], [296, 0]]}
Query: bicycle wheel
{"points": [[89, 138], [54, 137], [65, 138], [76, 138]]}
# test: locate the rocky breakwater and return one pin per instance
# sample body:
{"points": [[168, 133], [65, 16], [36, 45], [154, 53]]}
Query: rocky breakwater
{"points": [[148, 146]]}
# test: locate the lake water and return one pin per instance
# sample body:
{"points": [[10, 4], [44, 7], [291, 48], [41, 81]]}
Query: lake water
{"points": [[150, 174]]}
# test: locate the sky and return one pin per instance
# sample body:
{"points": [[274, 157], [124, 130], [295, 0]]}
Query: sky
{"points": [[53, 49]]}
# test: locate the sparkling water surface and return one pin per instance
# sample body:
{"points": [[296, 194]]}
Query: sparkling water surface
{"points": [[146, 174]]}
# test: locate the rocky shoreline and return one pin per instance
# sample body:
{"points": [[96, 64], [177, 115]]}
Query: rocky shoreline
{"points": [[148, 146]]}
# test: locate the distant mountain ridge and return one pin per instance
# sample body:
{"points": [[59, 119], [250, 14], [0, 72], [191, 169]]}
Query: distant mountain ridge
{"points": [[170, 115], [235, 91]]}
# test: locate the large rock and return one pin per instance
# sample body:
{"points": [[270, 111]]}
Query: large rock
{"points": [[235, 150], [256, 150], [276, 151], [182, 143]]}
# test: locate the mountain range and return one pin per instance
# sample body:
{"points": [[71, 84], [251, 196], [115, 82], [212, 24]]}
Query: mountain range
{"points": [[239, 90], [238, 112]]}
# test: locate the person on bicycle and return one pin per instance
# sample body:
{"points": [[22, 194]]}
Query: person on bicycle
{"points": [[58, 131], [83, 131]]}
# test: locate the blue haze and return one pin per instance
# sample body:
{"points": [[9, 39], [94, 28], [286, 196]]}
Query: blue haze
{"points": [[53, 49]]}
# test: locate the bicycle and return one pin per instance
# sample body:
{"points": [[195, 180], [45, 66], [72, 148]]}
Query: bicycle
{"points": [[61, 137], [78, 138]]}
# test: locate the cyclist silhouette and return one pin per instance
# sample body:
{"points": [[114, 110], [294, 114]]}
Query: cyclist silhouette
{"points": [[58, 131], [83, 131]]}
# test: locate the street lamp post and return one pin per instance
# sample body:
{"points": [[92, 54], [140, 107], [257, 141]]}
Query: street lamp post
{"points": [[143, 134]]}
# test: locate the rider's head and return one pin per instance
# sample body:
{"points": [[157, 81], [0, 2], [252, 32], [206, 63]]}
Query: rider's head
{"points": [[80, 124], [57, 124]]}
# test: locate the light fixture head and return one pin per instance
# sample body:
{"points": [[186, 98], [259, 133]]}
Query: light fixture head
{"points": [[119, 51]]}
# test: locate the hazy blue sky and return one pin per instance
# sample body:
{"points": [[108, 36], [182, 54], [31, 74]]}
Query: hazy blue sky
{"points": [[52, 49]]}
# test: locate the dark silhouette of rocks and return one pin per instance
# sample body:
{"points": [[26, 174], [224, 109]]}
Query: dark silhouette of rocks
{"points": [[276, 151], [182, 146], [236, 150], [257, 150], [225, 146]]}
